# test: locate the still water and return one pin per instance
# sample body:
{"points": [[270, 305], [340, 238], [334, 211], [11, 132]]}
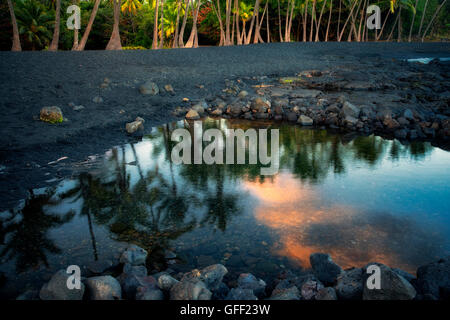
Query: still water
{"points": [[361, 199]]}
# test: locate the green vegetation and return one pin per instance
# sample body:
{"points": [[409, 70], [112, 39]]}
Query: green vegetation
{"points": [[161, 24]]}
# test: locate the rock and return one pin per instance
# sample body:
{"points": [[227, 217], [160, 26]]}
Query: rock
{"points": [[429, 132], [134, 255], [260, 105], [327, 293], [324, 268], [408, 115], [169, 88], [132, 278], [56, 288], [305, 121], [30, 295], [384, 114], [212, 275], [434, 278], [333, 108], [243, 94], [350, 121], [200, 107], [217, 112], [192, 115], [291, 116], [401, 134], [149, 88], [51, 114], [145, 293], [402, 121], [100, 266], [103, 288], [97, 99], [408, 276], [349, 109], [290, 293], [391, 124], [235, 110], [249, 281], [393, 286], [166, 282], [190, 289], [169, 255], [310, 289], [305, 93], [221, 292], [133, 127], [78, 108], [350, 284], [241, 294]]}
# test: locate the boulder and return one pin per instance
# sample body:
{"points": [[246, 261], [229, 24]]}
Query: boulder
{"points": [[349, 109], [149, 88], [190, 289], [327, 293], [291, 116], [305, 121], [350, 284], [393, 286], [134, 255], [434, 278], [131, 279], [260, 105], [192, 115], [145, 293], [103, 288], [310, 289], [134, 126], [408, 115], [324, 268], [240, 294], [51, 114], [166, 282], [213, 275], [243, 94], [56, 288], [290, 293], [249, 281]]}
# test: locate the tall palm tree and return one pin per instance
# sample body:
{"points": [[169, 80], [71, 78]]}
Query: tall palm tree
{"points": [[55, 40], [16, 40], [114, 42], [83, 41], [34, 23]]}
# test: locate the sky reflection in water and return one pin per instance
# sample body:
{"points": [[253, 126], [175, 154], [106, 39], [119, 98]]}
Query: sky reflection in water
{"points": [[360, 199]]}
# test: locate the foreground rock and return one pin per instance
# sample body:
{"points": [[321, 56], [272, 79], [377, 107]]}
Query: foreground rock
{"points": [[324, 268], [393, 286], [434, 279], [103, 288], [56, 288], [249, 281], [134, 255], [149, 88], [51, 115], [136, 125], [192, 115], [350, 284]]}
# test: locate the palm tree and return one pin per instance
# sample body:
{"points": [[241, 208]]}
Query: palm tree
{"points": [[432, 18], [114, 41], [16, 40], [55, 41], [34, 23], [83, 41]]}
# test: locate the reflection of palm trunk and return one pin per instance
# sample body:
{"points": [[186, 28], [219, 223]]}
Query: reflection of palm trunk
{"points": [[137, 161], [166, 136], [91, 231]]}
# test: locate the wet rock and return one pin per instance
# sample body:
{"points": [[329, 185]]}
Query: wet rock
{"points": [[145, 293], [134, 255], [402, 121], [333, 108], [391, 124], [136, 125], [408, 276], [78, 108], [434, 278], [30, 295], [324, 268], [350, 284], [291, 116], [401, 134], [103, 288], [166, 282], [327, 293], [192, 115], [217, 112], [243, 94], [100, 266], [200, 107], [235, 110], [384, 114], [190, 289], [212, 275], [305, 93], [350, 121], [56, 288], [291, 293], [393, 286], [305, 121], [408, 115], [349, 109], [149, 88], [241, 294], [97, 99], [249, 281], [51, 114], [429, 132], [132, 278], [260, 105], [221, 292], [310, 289], [169, 88]]}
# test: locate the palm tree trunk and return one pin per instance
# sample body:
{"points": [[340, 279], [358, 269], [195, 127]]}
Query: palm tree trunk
{"points": [[193, 37], [305, 21], [279, 22], [339, 20], [55, 40], [114, 41], [161, 44], [259, 25], [320, 19], [313, 15], [219, 17], [423, 16], [268, 27], [432, 18], [346, 21], [252, 23], [75, 31], [183, 26], [399, 25], [227, 22], [155, 26], [329, 21], [238, 31], [412, 22], [177, 25], [83, 41], [16, 39], [393, 28], [378, 36]]}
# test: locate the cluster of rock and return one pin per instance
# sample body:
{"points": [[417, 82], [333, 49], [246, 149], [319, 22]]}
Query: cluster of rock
{"points": [[325, 281]]}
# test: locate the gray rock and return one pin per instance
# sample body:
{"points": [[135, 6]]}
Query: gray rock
{"points": [[97, 99], [305, 93], [56, 288], [350, 284], [408, 276], [291, 116], [305, 121], [190, 289], [310, 289], [434, 278], [29, 295], [249, 281], [393, 286], [324, 268], [235, 110], [401, 134], [192, 115], [241, 294], [133, 127], [408, 115], [200, 107], [134, 255], [145, 293], [213, 275], [290, 293], [243, 94], [149, 88], [132, 278], [350, 121], [166, 282], [51, 114], [260, 105], [349, 109], [327, 293], [78, 108], [103, 288]]}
